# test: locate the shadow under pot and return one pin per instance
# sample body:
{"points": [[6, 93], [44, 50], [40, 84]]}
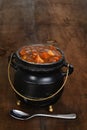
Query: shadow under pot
{"points": [[39, 84]]}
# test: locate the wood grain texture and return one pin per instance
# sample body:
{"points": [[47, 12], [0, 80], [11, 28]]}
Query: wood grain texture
{"points": [[37, 21]]}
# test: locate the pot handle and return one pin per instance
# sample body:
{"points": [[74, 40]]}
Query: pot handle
{"points": [[12, 60], [71, 69], [37, 99]]}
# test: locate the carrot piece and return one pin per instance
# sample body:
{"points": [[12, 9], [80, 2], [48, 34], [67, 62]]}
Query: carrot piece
{"points": [[39, 59], [44, 55], [50, 53]]}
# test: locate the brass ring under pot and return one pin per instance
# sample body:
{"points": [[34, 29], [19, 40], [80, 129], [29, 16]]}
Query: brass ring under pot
{"points": [[37, 99]]}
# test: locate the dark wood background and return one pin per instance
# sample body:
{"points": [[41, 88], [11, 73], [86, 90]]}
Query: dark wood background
{"points": [[38, 21]]}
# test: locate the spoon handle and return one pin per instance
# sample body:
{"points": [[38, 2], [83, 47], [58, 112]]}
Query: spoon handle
{"points": [[62, 116]]}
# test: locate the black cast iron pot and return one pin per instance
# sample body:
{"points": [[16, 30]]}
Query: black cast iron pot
{"points": [[39, 84]]}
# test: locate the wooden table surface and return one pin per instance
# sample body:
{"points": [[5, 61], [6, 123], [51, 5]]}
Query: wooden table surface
{"points": [[24, 22]]}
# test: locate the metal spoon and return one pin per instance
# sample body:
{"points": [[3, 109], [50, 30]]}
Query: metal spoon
{"points": [[17, 114]]}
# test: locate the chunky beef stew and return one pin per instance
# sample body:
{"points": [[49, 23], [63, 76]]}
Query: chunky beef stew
{"points": [[40, 54]]}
